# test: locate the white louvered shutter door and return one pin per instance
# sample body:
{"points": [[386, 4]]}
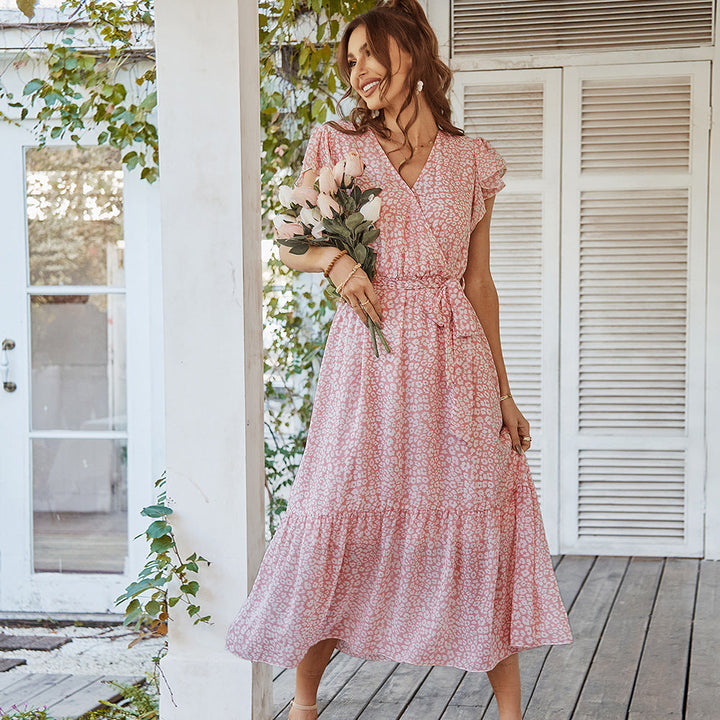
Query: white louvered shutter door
{"points": [[634, 235], [518, 113]]}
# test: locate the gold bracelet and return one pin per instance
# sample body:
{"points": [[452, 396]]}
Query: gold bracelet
{"points": [[505, 397], [352, 272], [326, 271]]}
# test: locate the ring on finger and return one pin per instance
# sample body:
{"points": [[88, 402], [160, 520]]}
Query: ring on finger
{"points": [[364, 304]]}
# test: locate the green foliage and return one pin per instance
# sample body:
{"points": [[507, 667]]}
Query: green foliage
{"points": [[15, 713], [299, 87], [81, 88], [141, 702], [166, 580]]}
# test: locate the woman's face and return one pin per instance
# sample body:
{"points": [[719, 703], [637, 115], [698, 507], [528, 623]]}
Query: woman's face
{"points": [[366, 72]]}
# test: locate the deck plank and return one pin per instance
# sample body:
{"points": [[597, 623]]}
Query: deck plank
{"points": [[31, 686], [6, 680], [660, 686], [703, 699], [563, 673], [88, 698], [434, 694], [353, 698], [390, 701], [69, 686], [471, 697], [609, 684]]}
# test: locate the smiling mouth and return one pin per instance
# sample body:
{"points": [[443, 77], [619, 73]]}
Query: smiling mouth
{"points": [[369, 88]]}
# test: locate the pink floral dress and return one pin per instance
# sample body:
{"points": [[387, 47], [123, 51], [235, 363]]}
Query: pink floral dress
{"points": [[413, 531]]}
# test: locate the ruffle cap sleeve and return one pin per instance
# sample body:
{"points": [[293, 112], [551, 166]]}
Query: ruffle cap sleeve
{"points": [[488, 172], [317, 153], [490, 167]]}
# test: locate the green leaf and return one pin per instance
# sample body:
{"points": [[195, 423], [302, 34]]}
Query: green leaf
{"points": [[27, 7], [156, 511], [360, 253], [149, 102], [158, 529], [190, 588], [153, 607], [161, 544], [354, 220], [32, 86]]}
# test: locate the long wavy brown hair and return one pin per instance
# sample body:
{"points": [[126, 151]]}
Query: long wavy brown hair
{"points": [[405, 21]]}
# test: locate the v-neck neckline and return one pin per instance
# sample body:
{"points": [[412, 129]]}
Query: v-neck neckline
{"points": [[412, 187]]}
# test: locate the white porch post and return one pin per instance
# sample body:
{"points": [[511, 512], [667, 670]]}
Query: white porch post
{"points": [[209, 151]]}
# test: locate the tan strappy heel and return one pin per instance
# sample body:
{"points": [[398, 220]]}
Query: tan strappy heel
{"points": [[293, 704]]}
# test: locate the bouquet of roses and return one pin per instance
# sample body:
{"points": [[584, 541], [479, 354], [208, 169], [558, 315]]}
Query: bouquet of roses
{"points": [[334, 212]]}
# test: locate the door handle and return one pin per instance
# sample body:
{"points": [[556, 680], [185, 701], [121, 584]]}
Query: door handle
{"points": [[7, 346]]}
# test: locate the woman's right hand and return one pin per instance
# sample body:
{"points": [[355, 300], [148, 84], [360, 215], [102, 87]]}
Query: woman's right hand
{"points": [[358, 290]]}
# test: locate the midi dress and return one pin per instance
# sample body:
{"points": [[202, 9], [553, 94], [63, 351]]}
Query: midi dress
{"points": [[413, 531]]}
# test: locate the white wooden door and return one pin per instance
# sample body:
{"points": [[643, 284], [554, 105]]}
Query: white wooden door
{"points": [[635, 149], [73, 468], [518, 112]]}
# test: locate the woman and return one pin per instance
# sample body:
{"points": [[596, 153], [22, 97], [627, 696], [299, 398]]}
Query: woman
{"points": [[413, 531]]}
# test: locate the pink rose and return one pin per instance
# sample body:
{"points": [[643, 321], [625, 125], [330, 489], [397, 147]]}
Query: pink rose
{"points": [[339, 172], [354, 166], [327, 204], [287, 230], [345, 170], [305, 196], [327, 181], [308, 178]]}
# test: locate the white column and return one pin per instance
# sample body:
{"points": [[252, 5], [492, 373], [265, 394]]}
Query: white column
{"points": [[208, 105]]}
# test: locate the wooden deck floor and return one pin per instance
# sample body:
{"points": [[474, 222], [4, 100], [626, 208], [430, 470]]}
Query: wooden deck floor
{"points": [[646, 647], [64, 696]]}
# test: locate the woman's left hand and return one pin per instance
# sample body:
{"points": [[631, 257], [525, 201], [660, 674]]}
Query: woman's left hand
{"points": [[516, 424]]}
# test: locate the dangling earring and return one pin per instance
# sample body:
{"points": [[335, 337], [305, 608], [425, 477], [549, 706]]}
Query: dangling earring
{"points": [[375, 113], [419, 86]]}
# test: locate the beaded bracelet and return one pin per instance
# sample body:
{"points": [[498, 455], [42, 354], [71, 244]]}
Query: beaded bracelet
{"points": [[326, 271], [352, 272]]}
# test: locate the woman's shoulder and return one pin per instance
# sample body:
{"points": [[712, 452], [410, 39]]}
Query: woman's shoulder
{"points": [[467, 143], [341, 131]]}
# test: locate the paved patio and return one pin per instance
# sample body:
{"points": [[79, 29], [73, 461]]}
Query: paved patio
{"points": [[647, 647]]}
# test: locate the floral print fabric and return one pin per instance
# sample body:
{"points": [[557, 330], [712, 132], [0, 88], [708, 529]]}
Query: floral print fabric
{"points": [[413, 531]]}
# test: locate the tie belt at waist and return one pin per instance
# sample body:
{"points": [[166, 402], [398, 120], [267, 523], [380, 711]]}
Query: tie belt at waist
{"points": [[447, 306]]}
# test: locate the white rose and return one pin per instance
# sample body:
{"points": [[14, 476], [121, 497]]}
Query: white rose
{"points": [[310, 216], [284, 193], [280, 220], [371, 209]]}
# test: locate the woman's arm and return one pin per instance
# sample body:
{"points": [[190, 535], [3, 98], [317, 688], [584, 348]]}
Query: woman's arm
{"points": [[482, 294]]}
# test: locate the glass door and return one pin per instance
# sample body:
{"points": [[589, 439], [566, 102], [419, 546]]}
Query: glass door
{"points": [[64, 471]]}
